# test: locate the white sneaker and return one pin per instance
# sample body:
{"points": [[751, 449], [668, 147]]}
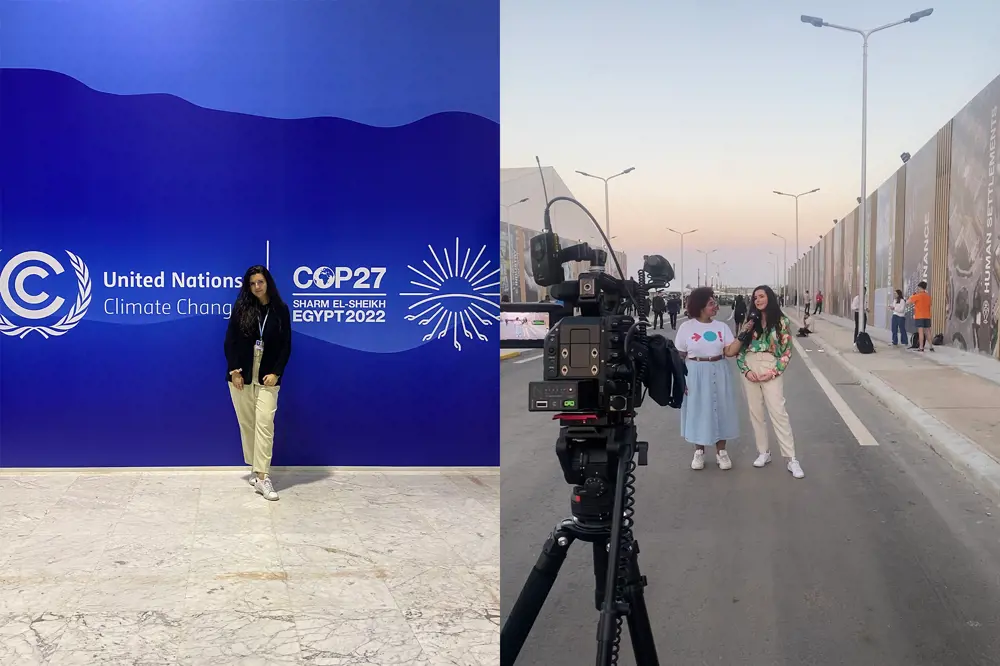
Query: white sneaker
{"points": [[723, 459], [795, 468], [253, 478], [265, 488], [699, 460], [762, 459]]}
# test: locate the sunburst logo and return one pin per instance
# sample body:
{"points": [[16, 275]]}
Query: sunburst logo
{"points": [[455, 296]]}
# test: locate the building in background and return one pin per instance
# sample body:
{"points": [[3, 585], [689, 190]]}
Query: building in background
{"points": [[520, 221]]}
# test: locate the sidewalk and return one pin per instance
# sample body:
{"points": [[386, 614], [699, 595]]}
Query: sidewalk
{"points": [[506, 354], [950, 397]]}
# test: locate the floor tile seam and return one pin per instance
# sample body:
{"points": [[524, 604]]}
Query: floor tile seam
{"points": [[402, 614], [429, 650], [443, 533]]}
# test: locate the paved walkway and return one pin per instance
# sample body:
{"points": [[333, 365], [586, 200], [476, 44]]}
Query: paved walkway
{"points": [[951, 396], [196, 569]]}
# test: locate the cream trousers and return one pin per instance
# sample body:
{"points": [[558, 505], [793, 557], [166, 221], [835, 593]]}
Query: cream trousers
{"points": [[255, 408], [769, 394]]}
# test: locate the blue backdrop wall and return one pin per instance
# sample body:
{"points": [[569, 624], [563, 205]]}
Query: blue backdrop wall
{"points": [[352, 146]]}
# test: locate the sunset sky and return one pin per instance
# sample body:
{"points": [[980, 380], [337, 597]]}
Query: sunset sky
{"points": [[718, 102]]}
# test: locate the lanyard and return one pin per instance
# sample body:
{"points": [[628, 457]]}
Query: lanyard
{"points": [[262, 324]]}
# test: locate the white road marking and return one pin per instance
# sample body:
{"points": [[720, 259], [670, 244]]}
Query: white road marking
{"points": [[529, 359], [854, 424]]}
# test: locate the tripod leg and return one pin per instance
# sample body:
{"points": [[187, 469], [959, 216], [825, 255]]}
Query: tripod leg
{"points": [[600, 571], [639, 629], [533, 594]]}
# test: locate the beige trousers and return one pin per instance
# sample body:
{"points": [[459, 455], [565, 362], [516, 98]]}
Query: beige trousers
{"points": [[769, 394], [255, 408]]}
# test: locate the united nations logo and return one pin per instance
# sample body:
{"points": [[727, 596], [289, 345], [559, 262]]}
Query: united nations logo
{"points": [[30, 303]]}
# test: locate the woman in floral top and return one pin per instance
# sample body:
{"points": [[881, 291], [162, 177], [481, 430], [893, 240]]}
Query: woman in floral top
{"points": [[763, 363]]}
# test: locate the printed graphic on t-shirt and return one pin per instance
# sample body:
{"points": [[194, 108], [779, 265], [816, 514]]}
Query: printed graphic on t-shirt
{"points": [[711, 336], [698, 339]]}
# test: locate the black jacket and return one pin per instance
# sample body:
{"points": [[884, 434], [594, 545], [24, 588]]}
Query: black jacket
{"points": [[674, 305], [277, 346], [658, 304]]}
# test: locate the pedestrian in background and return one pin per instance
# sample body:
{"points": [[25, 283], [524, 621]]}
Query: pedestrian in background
{"points": [[708, 413], [898, 307], [739, 310], [763, 361], [922, 315], [673, 309], [856, 306], [659, 307], [258, 345]]}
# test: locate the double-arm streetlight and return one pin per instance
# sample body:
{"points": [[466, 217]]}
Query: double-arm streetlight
{"points": [[774, 263], [784, 262], [607, 209], [510, 245], [706, 261], [796, 197], [682, 235], [865, 34], [718, 273]]}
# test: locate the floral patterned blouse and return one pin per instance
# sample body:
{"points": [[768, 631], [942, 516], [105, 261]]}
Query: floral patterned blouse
{"points": [[777, 342]]}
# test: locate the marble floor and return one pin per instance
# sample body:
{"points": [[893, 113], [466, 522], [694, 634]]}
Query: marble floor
{"points": [[194, 568]]}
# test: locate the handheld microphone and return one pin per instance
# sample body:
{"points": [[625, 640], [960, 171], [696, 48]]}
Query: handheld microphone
{"points": [[753, 316]]}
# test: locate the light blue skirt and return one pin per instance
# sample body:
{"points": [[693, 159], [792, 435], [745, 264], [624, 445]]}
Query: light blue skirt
{"points": [[708, 413]]}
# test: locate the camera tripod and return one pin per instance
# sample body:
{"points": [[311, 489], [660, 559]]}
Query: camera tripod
{"points": [[606, 525]]}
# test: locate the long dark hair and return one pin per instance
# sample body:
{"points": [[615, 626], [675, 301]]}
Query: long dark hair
{"points": [[248, 307], [899, 295], [772, 313]]}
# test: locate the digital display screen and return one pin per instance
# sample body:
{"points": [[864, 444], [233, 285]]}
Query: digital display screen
{"points": [[523, 325]]}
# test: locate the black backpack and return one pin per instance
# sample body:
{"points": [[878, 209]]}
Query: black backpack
{"points": [[864, 343]]}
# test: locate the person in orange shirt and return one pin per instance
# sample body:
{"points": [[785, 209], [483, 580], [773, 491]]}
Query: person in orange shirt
{"points": [[922, 314]]}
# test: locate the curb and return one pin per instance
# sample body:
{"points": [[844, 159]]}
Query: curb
{"points": [[506, 356], [958, 450]]}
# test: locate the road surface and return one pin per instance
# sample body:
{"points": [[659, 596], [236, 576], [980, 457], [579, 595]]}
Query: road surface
{"points": [[883, 555]]}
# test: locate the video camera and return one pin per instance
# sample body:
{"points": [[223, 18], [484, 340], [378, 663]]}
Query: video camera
{"points": [[597, 364]]}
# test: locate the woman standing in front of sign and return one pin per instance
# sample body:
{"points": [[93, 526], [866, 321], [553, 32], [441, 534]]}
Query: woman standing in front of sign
{"points": [[258, 345]]}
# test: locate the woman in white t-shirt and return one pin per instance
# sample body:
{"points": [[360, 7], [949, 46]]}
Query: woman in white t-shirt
{"points": [[898, 307], [708, 415]]}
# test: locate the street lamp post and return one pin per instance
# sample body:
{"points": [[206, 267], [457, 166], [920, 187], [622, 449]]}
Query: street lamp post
{"points": [[510, 246], [607, 208], [865, 34], [796, 197], [682, 235], [775, 263], [784, 261], [706, 261], [718, 273]]}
